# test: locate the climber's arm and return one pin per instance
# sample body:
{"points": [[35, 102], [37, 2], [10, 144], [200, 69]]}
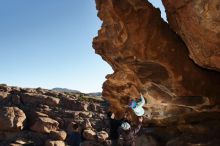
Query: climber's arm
{"points": [[137, 129], [142, 102]]}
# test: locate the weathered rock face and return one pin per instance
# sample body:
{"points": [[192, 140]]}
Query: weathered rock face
{"points": [[59, 135], [54, 143], [147, 56], [11, 119], [89, 134], [33, 98], [44, 124], [198, 24], [102, 136]]}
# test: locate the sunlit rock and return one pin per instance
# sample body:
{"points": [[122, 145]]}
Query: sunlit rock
{"points": [[149, 58], [198, 24]]}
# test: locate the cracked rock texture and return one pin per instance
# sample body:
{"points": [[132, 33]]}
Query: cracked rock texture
{"points": [[198, 24], [45, 117], [148, 57]]}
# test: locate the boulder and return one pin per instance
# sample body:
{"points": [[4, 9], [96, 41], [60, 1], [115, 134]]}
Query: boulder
{"points": [[85, 106], [34, 99], [58, 135], [28, 138], [86, 124], [4, 88], [4, 99], [54, 143], [4, 136], [23, 142], [89, 134], [93, 107], [44, 125], [102, 136], [90, 143], [3, 95], [15, 99], [72, 104], [15, 144], [85, 114], [11, 119]]}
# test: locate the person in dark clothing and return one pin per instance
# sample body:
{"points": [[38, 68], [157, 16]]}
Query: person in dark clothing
{"points": [[76, 136], [114, 125], [128, 134]]}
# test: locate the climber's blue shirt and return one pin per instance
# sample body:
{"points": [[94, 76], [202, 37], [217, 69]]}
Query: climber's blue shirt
{"points": [[138, 109]]}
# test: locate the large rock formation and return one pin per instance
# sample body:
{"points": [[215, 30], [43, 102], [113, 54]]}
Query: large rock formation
{"points": [[198, 24], [148, 57]]}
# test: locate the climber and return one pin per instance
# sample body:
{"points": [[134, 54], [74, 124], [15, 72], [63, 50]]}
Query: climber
{"points": [[137, 106], [128, 134], [114, 126]]}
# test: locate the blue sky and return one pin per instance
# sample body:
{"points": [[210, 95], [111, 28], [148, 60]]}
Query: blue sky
{"points": [[48, 43], [158, 4]]}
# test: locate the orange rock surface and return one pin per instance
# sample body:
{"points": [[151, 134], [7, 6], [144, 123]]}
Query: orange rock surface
{"points": [[149, 58], [198, 24]]}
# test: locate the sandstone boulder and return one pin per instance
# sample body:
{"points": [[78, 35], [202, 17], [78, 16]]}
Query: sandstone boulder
{"points": [[4, 136], [34, 99], [3, 95], [26, 138], [15, 99], [85, 114], [44, 125], [86, 124], [15, 144], [90, 143], [85, 106], [102, 136], [93, 107], [54, 143], [72, 103], [4, 88], [89, 134], [58, 135], [11, 119]]}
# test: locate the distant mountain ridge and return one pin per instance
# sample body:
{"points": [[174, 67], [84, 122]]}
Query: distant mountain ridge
{"points": [[76, 91], [65, 90], [95, 94]]}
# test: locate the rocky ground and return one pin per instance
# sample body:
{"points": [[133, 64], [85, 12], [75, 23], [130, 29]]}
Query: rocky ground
{"points": [[44, 117], [38, 117]]}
